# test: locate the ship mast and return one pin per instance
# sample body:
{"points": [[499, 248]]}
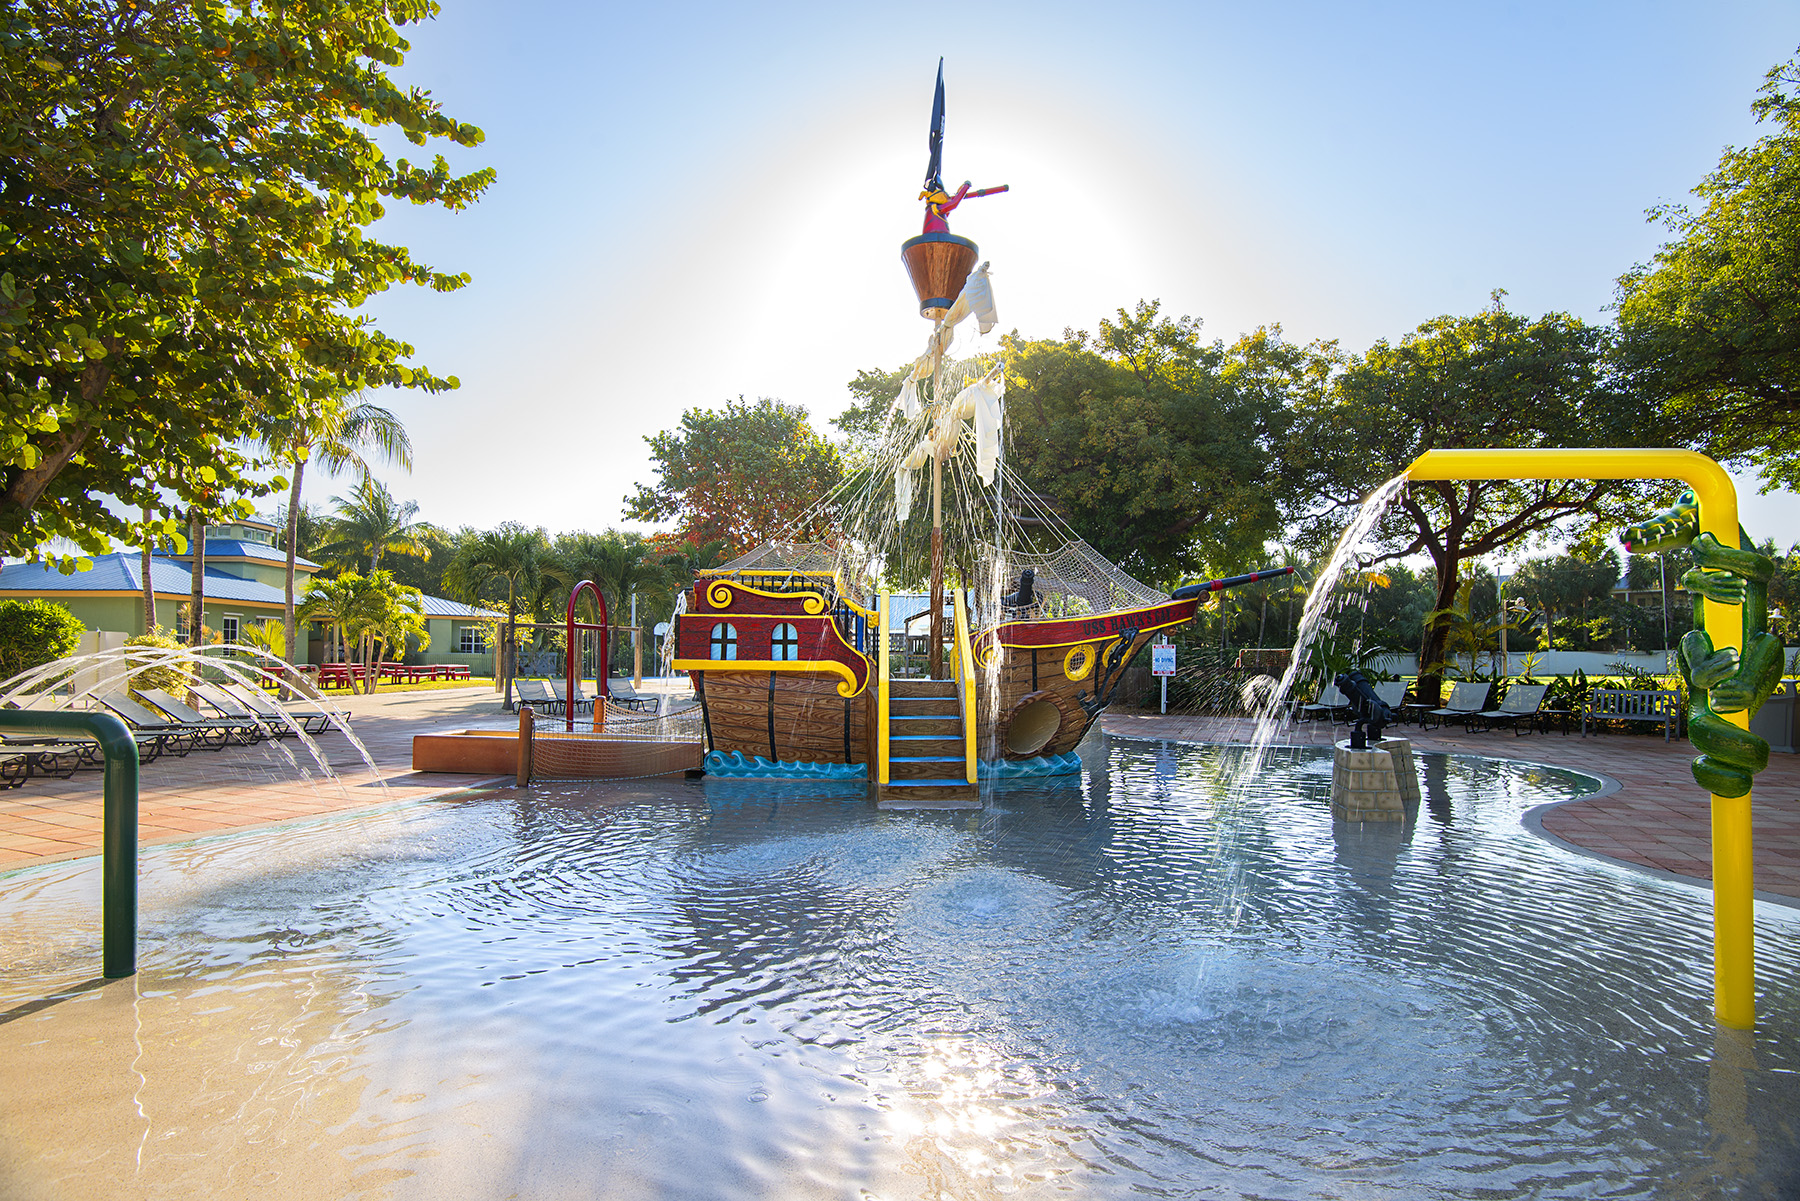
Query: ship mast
{"points": [[939, 263]]}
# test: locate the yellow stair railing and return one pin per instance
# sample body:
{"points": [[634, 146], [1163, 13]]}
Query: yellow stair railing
{"points": [[965, 680], [884, 656]]}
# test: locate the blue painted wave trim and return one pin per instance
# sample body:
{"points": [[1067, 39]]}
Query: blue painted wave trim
{"points": [[735, 765], [1025, 769]]}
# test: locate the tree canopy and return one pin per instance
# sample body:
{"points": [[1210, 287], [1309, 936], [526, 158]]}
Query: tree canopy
{"points": [[1712, 323], [1152, 442], [1491, 380], [740, 475], [183, 205]]}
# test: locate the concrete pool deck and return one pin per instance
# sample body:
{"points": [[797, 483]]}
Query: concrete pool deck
{"points": [[1656, 819]]}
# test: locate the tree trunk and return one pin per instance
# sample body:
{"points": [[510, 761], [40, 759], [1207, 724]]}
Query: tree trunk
{"points": [[149, 587], [1437, 634], [197, 577], [293, 541]]}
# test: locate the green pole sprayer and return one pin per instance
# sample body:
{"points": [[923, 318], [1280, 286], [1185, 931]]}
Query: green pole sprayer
{"points": [[118, 870]]}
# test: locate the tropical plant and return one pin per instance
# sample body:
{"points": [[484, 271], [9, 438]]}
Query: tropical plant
{"points": [[267, 636], [172, 677], [333, 433], [334, 601], [371, 522], [1468, 633], [510, 557], [33, 633]]}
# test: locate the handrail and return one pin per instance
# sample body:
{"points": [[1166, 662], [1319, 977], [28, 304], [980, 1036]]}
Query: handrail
{"points": [[881, 693], [572, 658], [965, 675], [118, 839]]}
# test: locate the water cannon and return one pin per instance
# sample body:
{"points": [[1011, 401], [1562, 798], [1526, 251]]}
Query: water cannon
{"points": [[1365, 708], [1022, 597], [1232, 581]]}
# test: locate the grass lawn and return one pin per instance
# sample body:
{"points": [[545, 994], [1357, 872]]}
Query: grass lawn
{"points": [[422, 686]]}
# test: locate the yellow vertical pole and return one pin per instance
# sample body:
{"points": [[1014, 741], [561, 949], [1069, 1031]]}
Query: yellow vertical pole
{"points": [[1734, 905], [881, 694], [965, 676]]}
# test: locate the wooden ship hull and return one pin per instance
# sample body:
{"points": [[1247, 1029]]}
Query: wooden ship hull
{"points": [[1040, 683], [1056, 677]]}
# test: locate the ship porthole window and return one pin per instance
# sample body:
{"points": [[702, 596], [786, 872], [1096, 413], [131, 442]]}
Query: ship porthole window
{"points": [[784, 643], [724, 641]]}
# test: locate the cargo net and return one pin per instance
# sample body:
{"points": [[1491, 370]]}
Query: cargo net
{"points": [[632, 746], [1075, 580]]}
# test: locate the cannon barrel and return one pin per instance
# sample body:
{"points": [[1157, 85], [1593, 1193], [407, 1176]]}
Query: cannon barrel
{"points": [[1230, 581]]}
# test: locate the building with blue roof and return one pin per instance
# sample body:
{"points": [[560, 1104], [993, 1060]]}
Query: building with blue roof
{"points": [[243, 582]]}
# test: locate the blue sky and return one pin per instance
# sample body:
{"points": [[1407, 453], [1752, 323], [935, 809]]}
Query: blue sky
{"points": [[698, 201]]}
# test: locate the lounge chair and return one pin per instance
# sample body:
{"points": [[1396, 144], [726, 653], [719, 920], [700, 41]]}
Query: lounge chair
{"points": [[1520, 707], [1392, 693], [1328, 704], [583, 703], [1467, 700], [246, 730], [537, 694], [315, 721], [173, 735], [620, 692], [27, 757]]}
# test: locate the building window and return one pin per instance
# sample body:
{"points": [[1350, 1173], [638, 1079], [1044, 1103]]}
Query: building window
{"points": [[229, 627], [784, 643], [724, 641], [471, 640]]}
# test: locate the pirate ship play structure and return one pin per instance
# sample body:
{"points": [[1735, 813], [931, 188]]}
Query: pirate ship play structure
{"points": [[790, 647]]}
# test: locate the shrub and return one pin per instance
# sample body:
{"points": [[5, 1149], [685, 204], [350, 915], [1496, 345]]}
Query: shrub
{"points": [[33, 633], [172, 678]]}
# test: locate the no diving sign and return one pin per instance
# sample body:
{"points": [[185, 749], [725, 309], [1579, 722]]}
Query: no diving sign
{"points": [[1162, 660]]}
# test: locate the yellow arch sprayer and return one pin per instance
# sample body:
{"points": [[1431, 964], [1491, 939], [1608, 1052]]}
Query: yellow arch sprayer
{"points": [[1734, 953]]}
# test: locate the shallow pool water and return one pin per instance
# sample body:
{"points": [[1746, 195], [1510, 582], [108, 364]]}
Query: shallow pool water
{"points": [[1129, 982]]}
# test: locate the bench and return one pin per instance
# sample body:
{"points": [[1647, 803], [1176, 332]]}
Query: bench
{"points": [[1634, 704]]}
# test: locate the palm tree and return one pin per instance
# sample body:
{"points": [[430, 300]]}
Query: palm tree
{"points": [[336, 602], [510, 554], [620, 563], [371, 521], [333, 435]]}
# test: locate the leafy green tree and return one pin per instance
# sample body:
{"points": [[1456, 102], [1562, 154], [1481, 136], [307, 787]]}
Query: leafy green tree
{"points": [[182, 242], [1155, 444], [741, 475], [372, 522], [1712, 323], [1495, 379], [33, 633], [1574, 589]]}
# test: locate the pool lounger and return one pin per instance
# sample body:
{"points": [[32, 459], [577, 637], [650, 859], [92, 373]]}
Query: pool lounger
{"points": [[244, 730], [179, 737], [315, 721]]}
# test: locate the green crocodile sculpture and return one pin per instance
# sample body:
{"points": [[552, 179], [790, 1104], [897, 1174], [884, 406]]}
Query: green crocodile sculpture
{"points": [[1719, 681]]}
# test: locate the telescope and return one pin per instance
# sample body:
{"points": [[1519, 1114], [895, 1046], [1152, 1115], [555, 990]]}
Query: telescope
{"points": [[1365, 708]]}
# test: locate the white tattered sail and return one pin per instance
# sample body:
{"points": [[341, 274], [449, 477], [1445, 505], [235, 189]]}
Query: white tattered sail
{"points": [[977, 298], [978, 403]]}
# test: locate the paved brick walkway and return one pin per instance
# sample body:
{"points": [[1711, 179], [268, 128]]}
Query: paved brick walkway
{"points": [[1658, 818], [240, 787]]}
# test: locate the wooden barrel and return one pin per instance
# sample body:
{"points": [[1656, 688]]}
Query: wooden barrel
{"points": [[939, 264]]}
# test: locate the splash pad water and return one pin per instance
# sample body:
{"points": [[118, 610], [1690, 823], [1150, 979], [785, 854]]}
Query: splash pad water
{"points": [[1120, 982]]}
